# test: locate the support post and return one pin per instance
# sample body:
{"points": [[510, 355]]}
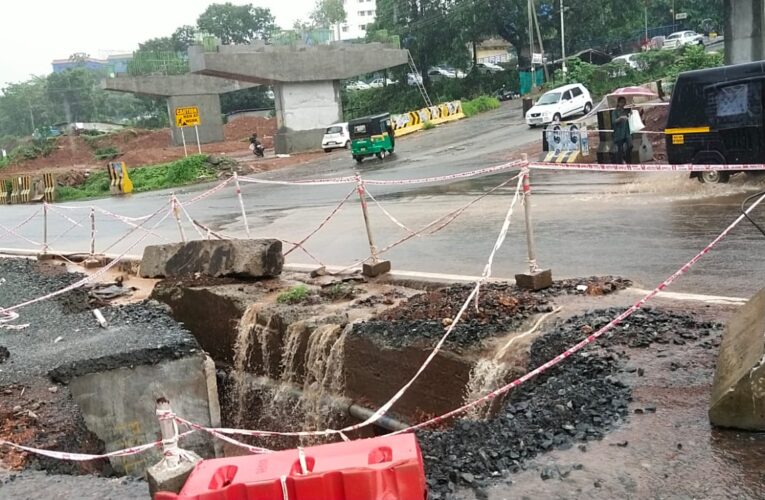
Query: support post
{"points": [[241, 204], [377, 267], [171, 472], [183, 138], [177, 215], [92, 232], [531, 44], [536, 278], [199, 144], [45, 228]]}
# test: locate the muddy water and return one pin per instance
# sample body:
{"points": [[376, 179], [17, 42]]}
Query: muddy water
{"points": [[672, 453]]}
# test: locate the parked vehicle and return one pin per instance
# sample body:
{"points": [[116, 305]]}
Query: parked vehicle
{"points": [[413, 79], [371, 136], [256, 147], [458, 73], [657, 42], [336, 136], [681, 38], [378, 83], [505, 94], [436, 73], [716, 118], [357, 85], [628, 59], [487, 67], [559, 103]]}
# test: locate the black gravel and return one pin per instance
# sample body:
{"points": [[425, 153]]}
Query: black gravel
{"points": [[64, 338], [503, 307], [578, 400]]}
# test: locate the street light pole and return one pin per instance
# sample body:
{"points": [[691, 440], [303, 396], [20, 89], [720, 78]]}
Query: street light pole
{"points": [[563, 39]]}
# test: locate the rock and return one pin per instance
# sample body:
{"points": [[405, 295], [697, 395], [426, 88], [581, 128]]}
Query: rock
{"points": [[548, 472], [467, 477], [241, 258], [4, 354], [53, 389]]}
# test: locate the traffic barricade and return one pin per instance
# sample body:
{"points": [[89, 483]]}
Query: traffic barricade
{"points": [[4, 192], [26, 189], [119, 180], [49, 190], [383, 468], [15, 190], [564, 143]]}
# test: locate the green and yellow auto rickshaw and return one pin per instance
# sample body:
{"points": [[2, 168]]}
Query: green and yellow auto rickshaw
{"points": [[371, 136]]}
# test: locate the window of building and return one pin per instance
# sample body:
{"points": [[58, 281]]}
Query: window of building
{"points": [[370, 13], [362, 13], [362, 27], [345, 29]]}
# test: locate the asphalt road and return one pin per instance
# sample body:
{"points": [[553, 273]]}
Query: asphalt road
{"points": [[640, 226]]}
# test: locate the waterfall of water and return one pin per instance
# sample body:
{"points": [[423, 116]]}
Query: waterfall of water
{"points": [[323, 374], [242, 346], [487, 375]]}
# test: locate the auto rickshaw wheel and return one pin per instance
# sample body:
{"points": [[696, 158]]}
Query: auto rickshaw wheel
{"points": [[379, 155], [714, 177], [358, 159]]}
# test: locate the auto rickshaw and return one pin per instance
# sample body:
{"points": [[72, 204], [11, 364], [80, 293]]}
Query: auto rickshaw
{"points": [[371, 135]]}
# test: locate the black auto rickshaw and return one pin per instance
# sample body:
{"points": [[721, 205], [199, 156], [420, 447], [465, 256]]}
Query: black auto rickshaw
{"points": [[371, 136], [716, 117]]}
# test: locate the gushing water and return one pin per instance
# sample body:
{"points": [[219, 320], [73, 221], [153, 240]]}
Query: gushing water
{"points": [[323, 373], [242, 348], [486, 376]]}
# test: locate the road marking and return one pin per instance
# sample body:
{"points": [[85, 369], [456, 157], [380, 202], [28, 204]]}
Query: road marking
{"points": [[709, 299]]}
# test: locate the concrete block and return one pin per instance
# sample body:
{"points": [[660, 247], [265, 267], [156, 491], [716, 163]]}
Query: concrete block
{"points": [[738, 392], [217, 258], [170, 479], [373, 270], [534, 281]]}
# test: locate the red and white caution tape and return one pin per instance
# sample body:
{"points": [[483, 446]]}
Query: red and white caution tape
{"points": [[388, 215], [221, 435], [592, 337], [644, 167], [442, 178], [322, 224], [209, 192], [306, 182]]}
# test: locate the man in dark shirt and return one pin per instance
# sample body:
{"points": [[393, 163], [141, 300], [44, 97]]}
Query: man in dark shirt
{"points": [[622, 138]]}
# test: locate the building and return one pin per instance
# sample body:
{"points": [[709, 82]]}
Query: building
{"points": [[494, 50], [359, 14], [113, 64]]}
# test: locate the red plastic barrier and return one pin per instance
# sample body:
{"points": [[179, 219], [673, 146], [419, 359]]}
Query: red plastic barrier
{"points": [[383, 468]]}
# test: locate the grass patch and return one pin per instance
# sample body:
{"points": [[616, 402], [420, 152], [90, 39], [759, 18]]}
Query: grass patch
{"points": [[479, 105], [108, 153], [294, 295], [427, 125], [178, 173]]}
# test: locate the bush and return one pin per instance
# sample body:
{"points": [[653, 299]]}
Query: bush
{"points": [[479, 105], [294, 295], [428, 125], [108, 153]]}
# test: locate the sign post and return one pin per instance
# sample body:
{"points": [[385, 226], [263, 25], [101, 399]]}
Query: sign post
{"points": [[188, 117]]}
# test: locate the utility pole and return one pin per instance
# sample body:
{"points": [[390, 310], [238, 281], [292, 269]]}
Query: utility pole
{"points": [[563, 39], [539, 39], [531, 43], [646, 22]]}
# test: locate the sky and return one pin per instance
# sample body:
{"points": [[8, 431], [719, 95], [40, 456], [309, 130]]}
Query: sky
{"points": [[34, 32]]}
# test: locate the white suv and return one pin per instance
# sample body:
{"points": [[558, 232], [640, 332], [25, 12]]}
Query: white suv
{"points": [[560, 103], [677, 40]]}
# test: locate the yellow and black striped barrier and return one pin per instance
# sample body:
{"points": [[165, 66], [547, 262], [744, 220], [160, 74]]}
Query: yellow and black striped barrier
{"points": [[21, 189], [49, 187], [119, 180], [4, 193], [406, 123]]}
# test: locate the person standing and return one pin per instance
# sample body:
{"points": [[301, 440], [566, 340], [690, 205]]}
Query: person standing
{"points": [[622, 138]]}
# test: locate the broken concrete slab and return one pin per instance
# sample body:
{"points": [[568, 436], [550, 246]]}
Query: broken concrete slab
{"points": [[738, 392], [217, 258], [376, 269]]}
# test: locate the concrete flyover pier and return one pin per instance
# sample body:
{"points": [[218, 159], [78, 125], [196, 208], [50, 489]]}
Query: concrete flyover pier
{"points": [[181, 91], [306, 81], [744, 31]]}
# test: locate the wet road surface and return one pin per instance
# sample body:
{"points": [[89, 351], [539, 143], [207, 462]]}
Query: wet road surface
{"points": [[640, 226]]}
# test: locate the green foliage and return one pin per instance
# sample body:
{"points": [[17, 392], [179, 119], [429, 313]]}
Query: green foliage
{"points": [[107, 153], [479, 105], [328, 13], [339, 291], [178, 173], [237, 24], [428, 125], [294, 295]]}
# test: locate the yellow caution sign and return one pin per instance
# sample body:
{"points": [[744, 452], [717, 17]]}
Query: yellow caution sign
{"points": [[187, 116]]}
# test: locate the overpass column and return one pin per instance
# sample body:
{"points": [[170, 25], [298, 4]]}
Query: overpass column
{"points": [[744, 31], [303, 111]]}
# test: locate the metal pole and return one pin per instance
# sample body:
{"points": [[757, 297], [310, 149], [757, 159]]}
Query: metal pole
{"points": [[177, 214], [92, 232], [646, 23], [531, 45], [241, 204], [45, 228], [539, 39], [563, 39], [183, 138], [169, 431], [370, 239], [199, 144], [527, 215]]}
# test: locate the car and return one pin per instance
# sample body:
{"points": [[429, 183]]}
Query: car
{"points": [[657, 42], [413, 79], [681, 38], [336, 136], [436, 73], [357, 85], [628, 59], [381, 82], [559, 103], [456, 73], [487, 67]]}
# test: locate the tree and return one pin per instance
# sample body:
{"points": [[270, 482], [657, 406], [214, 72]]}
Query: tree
{"points": [[184, 37], [234, 24], [328, 13]]}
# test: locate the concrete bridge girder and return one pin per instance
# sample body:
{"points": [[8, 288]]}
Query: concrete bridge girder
{"points": [[306, 81], [200, 91], [744, 31]]}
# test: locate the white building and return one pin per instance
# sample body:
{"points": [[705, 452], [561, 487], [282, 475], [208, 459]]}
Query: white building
{"points": [[359, 14]]}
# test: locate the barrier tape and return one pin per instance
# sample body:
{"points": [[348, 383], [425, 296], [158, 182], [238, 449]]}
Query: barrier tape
{"points": [[84, 457], [209, 192], [323, 223], [644, 167], [13, 232], [220, 435], [307, 182], [592, 337], [387, 214], [460, 175], [25, 221]]}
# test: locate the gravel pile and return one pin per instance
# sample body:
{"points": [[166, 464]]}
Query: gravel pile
{"points": [[577, 401], [503, 307]]}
